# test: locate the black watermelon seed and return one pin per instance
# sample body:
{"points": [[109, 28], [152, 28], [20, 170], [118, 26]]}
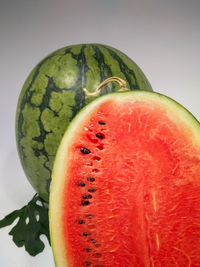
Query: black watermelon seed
{"points": [[93, 240], [85, 203], [87, 263], [87, 249], [84, 150], [81, 184], [85, 234], [91, 179], [87, 196], [81, 221], [102, 122], [99, 135], [91, 190]]}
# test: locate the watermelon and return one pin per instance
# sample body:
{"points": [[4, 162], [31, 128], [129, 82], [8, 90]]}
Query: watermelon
{"points": [[126, 184], [53, 94]]}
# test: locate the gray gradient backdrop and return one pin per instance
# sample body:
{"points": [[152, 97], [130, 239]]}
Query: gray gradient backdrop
{"points": [[163, 37]]}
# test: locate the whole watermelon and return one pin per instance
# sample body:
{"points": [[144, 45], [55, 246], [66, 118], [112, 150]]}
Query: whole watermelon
{"points": [[53, 94]]}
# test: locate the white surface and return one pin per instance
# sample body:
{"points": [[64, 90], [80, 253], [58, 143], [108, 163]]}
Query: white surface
{"points": [[163, 38]]}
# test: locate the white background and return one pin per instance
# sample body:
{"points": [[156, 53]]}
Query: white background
{"points": [[162, 37]]}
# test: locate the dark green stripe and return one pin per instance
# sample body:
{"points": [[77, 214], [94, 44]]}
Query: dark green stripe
{"points": [[124, 69], [80, 84], [23, 103], [80, 80], [105, 70]]}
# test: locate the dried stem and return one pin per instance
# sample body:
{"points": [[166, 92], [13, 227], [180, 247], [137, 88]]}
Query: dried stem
{"points": [[104, 83]]}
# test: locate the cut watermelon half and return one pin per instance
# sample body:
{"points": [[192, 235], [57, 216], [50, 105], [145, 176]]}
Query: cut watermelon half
{"points": [[126, 185]]}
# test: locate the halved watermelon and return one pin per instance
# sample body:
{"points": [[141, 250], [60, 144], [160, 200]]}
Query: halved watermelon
{"points": [[126, 185]]}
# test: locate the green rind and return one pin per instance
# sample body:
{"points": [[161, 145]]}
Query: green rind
{"points": [[176, 112], [53, 94]]}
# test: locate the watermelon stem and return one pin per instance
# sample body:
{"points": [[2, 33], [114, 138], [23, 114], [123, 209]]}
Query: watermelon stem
{"points": [[121, 82]]}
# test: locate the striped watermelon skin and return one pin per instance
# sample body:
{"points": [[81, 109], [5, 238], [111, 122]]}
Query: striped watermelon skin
{"points": [[53, 94]]}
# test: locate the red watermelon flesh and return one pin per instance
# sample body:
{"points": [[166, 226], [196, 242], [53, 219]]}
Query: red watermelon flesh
{"points": [[126, 185]]}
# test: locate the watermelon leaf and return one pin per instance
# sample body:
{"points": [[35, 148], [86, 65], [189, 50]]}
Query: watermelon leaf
{"points": [[33, 222]]}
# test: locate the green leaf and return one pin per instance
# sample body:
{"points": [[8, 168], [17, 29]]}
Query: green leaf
{"points": [[9, 219], [33, 222]]}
